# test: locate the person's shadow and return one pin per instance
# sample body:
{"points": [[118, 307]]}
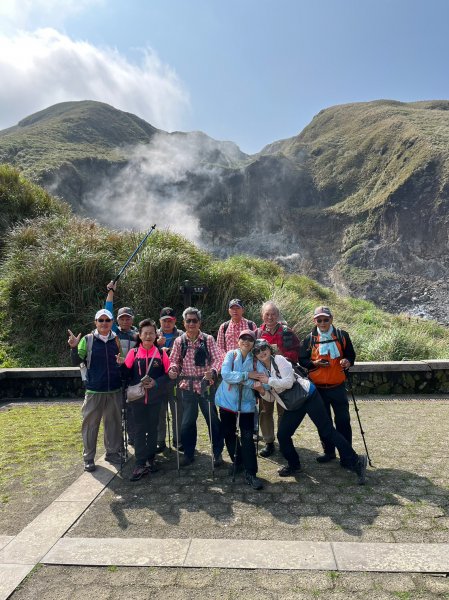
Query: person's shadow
{"points": [[393, 500]]}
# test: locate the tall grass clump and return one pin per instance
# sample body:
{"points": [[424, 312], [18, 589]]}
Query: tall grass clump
{"points": [[21, 200]]}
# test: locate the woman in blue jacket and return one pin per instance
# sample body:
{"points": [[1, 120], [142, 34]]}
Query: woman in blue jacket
{"points": [[236, 399]]}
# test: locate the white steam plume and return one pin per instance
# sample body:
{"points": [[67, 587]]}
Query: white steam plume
{"points": [[163, 182]]}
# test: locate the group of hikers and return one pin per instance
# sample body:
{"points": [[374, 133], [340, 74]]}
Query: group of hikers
{"points": [[164, 371]]}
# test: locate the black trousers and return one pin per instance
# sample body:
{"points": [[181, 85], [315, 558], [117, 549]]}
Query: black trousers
{"points": [[246, 450], [337, 398], [146, 419], [292, 419]]}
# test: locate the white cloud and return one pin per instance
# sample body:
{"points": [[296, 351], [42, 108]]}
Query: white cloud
{"points": [[46, 67], [23, 13]]}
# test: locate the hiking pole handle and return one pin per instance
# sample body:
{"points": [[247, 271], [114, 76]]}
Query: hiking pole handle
{"points": [[120, 273]]}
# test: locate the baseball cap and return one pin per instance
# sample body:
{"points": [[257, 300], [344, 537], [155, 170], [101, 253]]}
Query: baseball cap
{"points": [[322, 311], [167, 313], [236, 302], [125, 310], [252, 334], [105, 312]]}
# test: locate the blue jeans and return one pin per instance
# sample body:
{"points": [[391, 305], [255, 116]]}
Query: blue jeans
{"points": [[190, 403]]}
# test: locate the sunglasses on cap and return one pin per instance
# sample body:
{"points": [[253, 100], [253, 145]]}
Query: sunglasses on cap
{"points": [[104, 320], [323, 320], [261, 348]]}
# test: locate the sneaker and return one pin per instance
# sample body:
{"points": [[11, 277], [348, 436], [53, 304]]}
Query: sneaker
{"points": [[289, 470], [114, 458], [325, 458], [89, 466], [253, 481], [218, 461], [138, 473], [186, 460], [360, 468], [268, 450], [161, 446], [178, 447]]}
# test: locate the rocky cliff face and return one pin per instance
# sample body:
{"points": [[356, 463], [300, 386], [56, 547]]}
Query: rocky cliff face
{"points": [[358, 200]]}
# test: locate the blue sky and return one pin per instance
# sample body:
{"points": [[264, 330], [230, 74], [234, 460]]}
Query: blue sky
{"points": [[250, 71]]}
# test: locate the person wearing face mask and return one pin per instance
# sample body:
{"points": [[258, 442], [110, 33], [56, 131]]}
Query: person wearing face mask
{"points": [[327, 352]]}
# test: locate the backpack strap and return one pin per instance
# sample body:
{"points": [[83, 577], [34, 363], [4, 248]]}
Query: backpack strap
{"points": [[276, 368], [206, 347], [89, 344], [225, 328], [184, 345]]}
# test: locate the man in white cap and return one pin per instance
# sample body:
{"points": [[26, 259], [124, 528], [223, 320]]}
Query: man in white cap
{"points": [[327, 352], [100, 353]]}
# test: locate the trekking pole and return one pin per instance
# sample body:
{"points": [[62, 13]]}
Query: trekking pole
{"points": [[120, 273], [351, 390], [124, 446], [168, 425], [258, 427], [175, 390], [204, 386], [237, 428]]}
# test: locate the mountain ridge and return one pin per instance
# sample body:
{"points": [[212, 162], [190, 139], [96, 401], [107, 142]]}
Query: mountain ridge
{"points": [[359, 199]]}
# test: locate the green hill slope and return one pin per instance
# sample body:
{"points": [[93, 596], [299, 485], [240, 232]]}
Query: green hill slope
{"points": [[57, 265]]}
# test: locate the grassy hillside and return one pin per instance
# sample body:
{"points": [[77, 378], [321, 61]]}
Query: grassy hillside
{"points": [[56, 267]]}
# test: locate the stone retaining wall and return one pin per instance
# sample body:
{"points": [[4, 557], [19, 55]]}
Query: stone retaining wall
{"points": [[379, 378]]}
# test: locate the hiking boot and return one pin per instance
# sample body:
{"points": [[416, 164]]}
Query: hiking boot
{"points": [[114, 458], [161, 446], [138, 473], [268, 450], [360, 468], [325, 458], [238, 469], [289, 470], [186, 460], [218, 461], [253, 481], [89, 466]]}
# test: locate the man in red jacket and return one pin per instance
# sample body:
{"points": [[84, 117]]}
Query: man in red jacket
{"points": [[287, 343]]}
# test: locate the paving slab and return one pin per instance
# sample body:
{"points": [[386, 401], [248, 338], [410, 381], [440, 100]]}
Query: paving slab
{"points": [[393, 558], [138, 552], [89, 485], [5, 539], [10, 577], [260, 554], [35, 540]]}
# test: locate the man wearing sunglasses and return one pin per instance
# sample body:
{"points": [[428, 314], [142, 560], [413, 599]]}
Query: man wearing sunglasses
{"points": [[196, 359], [103, 398], [327, 353]]}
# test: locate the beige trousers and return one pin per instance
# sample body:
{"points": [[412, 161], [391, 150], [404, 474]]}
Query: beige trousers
{"points": [[266, 420], [106, 405]]}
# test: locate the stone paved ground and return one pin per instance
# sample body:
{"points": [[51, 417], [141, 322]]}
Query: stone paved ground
{"points": [[84, 583], [406, 499]]}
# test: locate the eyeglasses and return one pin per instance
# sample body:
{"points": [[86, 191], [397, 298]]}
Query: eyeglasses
{"points": [[104, 320], [322, 320], [188, 321], [246, 338], [261, 348]]}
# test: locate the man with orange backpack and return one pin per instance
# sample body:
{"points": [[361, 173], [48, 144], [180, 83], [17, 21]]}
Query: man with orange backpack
{"points": [[327, 352]]}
